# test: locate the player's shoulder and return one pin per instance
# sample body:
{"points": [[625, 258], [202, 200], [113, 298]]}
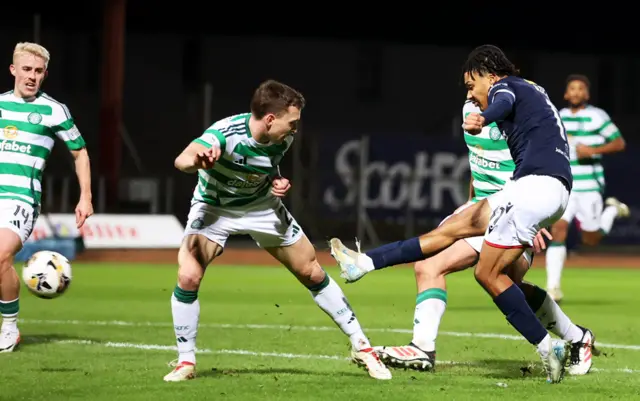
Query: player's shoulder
{"points": [[469, 107], [59, 110], [597, 113], [6, 95], [565, 111], [236, 123]]}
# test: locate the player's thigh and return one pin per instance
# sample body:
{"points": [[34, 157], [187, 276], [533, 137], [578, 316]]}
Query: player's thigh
{"points": [[589, 210], [459, 256], [195, 254], [571, 210], [518, 269], [469, 222], [300, 259], [205, 236], [457, 211]]}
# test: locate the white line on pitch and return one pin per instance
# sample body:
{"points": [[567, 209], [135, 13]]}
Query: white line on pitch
{"points": [[242, 352], [288, 327]]}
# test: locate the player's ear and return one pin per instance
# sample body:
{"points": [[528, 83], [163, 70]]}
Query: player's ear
{"points": [[12, 69], [268, 119]]}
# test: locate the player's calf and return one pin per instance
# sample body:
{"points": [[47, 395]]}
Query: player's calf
{"points": [[300, 259]]}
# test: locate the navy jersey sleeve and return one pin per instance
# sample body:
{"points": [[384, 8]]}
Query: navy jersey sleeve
{"points": [[501, 101]]}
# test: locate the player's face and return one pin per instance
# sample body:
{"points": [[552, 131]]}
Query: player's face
{"points": [[29, 71], [478, 88], [280, 127], [577, 94]]}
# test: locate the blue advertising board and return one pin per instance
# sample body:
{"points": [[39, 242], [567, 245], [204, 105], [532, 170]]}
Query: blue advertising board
{"points": [[429, 176]]}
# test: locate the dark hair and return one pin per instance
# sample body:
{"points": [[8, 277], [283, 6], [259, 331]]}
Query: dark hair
{"points": [[579, 77], [488, 59], [274, 97]]}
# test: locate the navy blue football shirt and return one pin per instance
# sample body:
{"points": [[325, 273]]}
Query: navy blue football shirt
{"points": [[532, 126]]}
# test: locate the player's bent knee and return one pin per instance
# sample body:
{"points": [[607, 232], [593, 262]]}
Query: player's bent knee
{"points": [[591, 238], [485, 274], [310, 273], [428, 270], [6, 262], [194, 255], [189, 278], [559, 231]]}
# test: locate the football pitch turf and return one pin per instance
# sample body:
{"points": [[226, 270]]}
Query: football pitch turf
{"points": [[263, 338]]}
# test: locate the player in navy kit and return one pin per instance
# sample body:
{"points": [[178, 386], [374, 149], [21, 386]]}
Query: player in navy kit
{"points": [[510, 219]]}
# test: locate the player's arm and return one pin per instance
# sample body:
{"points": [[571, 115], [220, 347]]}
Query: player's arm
{"points": [[614, 142], [471, 191], [68, 132], [202, 153], [83, 172], [615, 146], [501, 102]]}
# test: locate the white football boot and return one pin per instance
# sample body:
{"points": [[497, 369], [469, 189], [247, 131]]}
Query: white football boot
{"points": [[581, 353], [183, 371], [555, 361], [9, 339], [408, 357], [351, 268], [623, 209], [368, 359]]}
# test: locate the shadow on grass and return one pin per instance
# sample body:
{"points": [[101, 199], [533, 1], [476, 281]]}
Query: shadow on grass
{"points": [[500, 368], [221, 372]]}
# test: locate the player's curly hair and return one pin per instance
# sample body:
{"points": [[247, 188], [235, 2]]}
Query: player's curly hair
{"points": [[275, 97], [489, 59], [579, 77]]}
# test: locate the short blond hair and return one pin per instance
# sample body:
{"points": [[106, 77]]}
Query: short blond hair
{"points": [[34, 49]]}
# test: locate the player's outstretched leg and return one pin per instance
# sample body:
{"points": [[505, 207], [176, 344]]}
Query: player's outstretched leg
{"points": [[470, 222], [431, 303], [300, 259], [195, 254], [10, 244]]}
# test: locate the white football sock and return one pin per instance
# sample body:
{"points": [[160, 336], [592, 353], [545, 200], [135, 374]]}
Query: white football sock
{"points": [[556, 321], [9, 311], [430, 307], [607, 217], [330, 298], [185, 325]]}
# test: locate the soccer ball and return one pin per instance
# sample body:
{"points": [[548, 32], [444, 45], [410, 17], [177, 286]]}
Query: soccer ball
{"points": [[47, 274]]}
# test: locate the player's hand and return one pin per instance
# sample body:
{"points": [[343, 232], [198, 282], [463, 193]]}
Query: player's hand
{"points": [[539, 243], [84, 210], [280, 186], [207, 158], [583, 151], [473, 123]]}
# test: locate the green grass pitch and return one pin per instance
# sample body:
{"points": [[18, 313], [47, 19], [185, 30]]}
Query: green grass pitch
{"points": [[263, 338]]}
